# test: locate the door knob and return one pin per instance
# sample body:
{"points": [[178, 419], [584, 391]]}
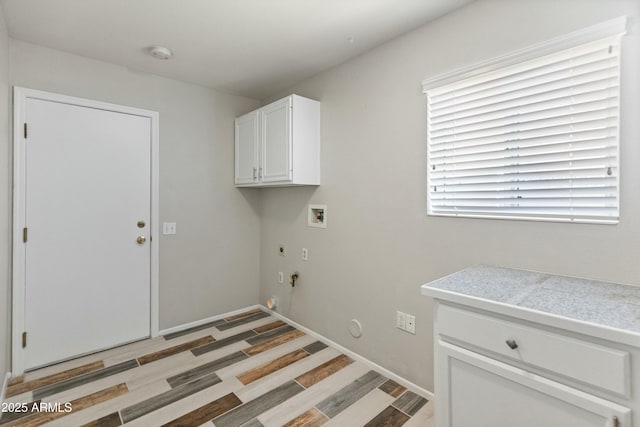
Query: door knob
{"points": [[141, 240]]}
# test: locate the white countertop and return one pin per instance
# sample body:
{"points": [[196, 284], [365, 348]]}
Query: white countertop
{"points": [[608, 310]]}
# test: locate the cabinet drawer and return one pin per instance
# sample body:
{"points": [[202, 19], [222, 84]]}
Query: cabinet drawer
{"points": [[590, 363]]}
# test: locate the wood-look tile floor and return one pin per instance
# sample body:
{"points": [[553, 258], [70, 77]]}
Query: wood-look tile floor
{"points": [[248, 370]]}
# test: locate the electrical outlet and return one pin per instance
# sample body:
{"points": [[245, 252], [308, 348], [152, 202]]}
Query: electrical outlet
{"points": [[280, 277], [305, 254], [281, 249], [411, 324], [401, 321], [406, 322]]}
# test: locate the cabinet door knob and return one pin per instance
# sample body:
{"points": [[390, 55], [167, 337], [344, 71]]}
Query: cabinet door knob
{"points": [[512, 344]]}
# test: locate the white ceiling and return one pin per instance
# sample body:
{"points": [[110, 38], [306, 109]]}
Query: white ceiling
{"points": [[253, 48]]}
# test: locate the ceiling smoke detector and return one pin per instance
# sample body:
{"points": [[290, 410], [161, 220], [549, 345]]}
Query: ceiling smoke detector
{"points": [[160, 52]]}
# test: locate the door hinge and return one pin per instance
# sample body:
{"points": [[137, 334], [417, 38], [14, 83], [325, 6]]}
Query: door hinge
{"points": [[25, 231], [25, 131], [24, 339]]}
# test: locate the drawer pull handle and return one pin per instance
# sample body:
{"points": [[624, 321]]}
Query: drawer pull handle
{"points": [[616, 422], [512, 344]]}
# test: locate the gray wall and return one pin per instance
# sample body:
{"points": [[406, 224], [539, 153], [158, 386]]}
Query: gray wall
{"points": [[212, 264], [380, 245], [5, 202]]}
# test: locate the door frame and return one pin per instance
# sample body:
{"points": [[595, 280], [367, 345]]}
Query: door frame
{"points": [[20, 96]]}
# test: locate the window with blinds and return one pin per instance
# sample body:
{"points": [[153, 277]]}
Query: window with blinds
{"points": [[532, 140]]}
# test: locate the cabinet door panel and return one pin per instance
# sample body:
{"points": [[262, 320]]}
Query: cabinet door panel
{"points": [[247, 149], [483, 392], [276, 137]]}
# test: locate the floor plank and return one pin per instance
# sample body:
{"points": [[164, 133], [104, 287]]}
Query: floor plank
{"points": [[161, 354], [9, 417], [310, 418], [266, 345], [323, 371], [77, 405], [163, 399], [393, 388], [243, 315], [345, 397], [188, 404], [90, 377], [271, 367], [242, 321], [410, 403], [111, 420], [422, 418], [269, 382], [266, 336], [251, 409], [315, 347], [194, 329], [269, 326], [206, 369], [262, 358], [207, 412], [242, 336], [389, 417], [21, 387], [309, 398], [363, 410]]}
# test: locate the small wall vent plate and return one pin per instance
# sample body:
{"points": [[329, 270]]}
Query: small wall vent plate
{"points": [[318, 216]]}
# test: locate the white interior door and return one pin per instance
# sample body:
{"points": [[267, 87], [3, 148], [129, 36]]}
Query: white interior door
{"points": [[87, 194]]}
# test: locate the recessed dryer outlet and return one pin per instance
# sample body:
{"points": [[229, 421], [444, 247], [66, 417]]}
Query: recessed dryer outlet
{"points": [[318, 216]]}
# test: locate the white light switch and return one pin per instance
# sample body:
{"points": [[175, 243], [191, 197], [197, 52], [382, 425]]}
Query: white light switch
{"points": [[168, 228]]}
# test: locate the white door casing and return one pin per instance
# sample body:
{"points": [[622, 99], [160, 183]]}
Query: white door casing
{"points": [[89, 269]]}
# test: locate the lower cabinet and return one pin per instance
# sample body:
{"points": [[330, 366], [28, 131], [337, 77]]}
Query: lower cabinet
{"points": [[495, 371], [475, 390]]}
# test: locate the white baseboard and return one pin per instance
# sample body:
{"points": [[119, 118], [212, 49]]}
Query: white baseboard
{"points": [[180, 328], [5, 384], [397, 378]]}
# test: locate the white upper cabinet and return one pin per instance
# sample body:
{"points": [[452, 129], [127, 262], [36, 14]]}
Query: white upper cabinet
{"points": [[279, 144]]}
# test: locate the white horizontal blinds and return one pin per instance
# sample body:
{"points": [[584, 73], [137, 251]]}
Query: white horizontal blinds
{"points": [[537, 139]]}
